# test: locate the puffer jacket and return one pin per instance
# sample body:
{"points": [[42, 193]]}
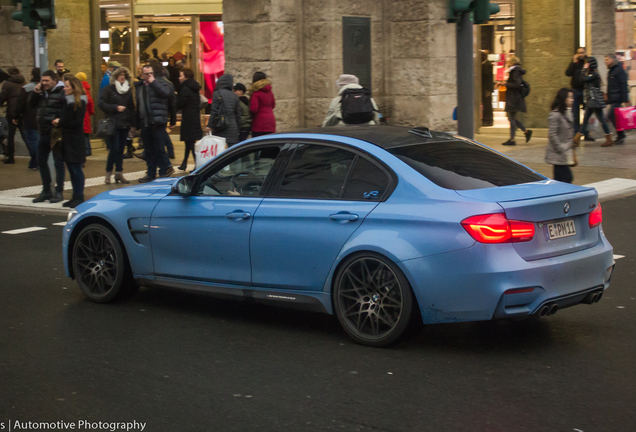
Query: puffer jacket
{"points": [[262, 106], [514, 101], [189, 103], [560, 139], [90, 108], [72, 124], [49, 106], [110, 99], [232, 109], [334, 114], [157, 109], [11, 89], [24, 111], [617, 84]]}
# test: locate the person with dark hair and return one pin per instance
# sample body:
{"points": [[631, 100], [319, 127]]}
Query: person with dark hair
{"points": [[71, 121], [160, 74], [617, 94], [116, 101], [11, 89], [262, 104], [560, 150], [515, 102], [60, 69], [594, 101], [578, 86], [189, 102], [27, 116], [224, 98], [155, 55], [173, 72], [49, 98], [246, 118], [487, 87]]}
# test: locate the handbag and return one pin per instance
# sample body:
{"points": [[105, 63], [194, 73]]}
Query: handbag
{"points": [[105, 128], [219, 122], [56, 138], [203, 102], [207, 148]]}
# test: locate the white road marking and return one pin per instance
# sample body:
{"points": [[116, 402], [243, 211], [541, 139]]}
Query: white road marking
{"points": [[23, 230], [64, 224], [618, 257]]}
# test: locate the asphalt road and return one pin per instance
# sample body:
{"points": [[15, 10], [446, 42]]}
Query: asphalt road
{"points": [[184, 362]]}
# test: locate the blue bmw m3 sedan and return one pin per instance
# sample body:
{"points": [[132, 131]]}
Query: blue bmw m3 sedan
{"points": [[378, 225]]}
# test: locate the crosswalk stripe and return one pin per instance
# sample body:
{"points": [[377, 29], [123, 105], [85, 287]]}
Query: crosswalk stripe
{"points": [[23, 230]]}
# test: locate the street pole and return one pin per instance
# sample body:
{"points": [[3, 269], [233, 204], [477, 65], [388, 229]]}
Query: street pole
{"points": [[465, 77], [43, 47]]}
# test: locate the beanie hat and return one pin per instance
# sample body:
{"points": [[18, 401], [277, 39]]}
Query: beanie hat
{"points": [[114, 64], [240, 86], [346, 79], [81, 76]]}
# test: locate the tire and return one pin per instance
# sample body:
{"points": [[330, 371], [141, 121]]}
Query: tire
{"points": [[100, 265], [373, 300]]}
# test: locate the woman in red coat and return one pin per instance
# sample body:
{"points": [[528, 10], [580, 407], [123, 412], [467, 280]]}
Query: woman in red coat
{"points": [[90, 110], [262, 105]]}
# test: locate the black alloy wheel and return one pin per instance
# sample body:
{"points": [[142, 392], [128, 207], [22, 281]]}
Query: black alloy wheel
{"points": [[373, 300], [100, 265]]}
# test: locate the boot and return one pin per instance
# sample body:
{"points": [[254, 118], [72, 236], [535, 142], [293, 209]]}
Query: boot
{"points": [[183, 165], [119, 178], [577, 138], [59, 196], [107, 179], [44, 195], [77, 200], [608, 141], [131, 150]]}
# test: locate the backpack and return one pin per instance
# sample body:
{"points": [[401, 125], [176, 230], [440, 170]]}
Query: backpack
{"points": [[525, 88], [219, 121], [356, 106]]}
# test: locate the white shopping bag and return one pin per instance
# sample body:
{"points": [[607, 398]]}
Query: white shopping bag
{"points": [[207, 148]]}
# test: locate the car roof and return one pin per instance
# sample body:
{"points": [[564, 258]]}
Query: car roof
{"points": [[382, 136]]}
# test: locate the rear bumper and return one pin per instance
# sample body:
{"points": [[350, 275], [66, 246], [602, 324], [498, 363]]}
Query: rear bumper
{"points": [[470, 284]]}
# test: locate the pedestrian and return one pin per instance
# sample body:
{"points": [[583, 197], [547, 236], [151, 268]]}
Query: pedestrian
{"points": [[60, 69], [617, 94], [560, 150], [189, 102], [246, 118], [262, 104], [49, 98], [112, 67], [90, 111], [224, 98], [116, 101], [173, 70], [347, 83], [11, 89], [27, 115], [71, 121], [594, 101], [161, 74], [578, 86], [487, 87], [515, 101], [152, 118]]}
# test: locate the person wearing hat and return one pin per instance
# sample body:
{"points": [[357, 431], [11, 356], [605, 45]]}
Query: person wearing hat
{"points": [[246, 118], [112, 66], [334, 114], [90, 110]]}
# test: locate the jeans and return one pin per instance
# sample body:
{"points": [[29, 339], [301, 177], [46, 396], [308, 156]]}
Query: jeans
{"points": [[612, 118], [77, 179], [563, 173], [89, 150], [44, 149], [514, 123], [579, 100], [169, 145], [155, 138], [599, 116], [116, 153], [32, 139]]}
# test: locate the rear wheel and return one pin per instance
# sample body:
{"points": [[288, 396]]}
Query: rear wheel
{"points": [[100, 265], [373, 300]]}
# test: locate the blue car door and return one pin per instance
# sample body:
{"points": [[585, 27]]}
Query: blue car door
{"points": [[205, 236], [300, 228]]}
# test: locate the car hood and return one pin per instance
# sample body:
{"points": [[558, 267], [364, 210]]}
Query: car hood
{"points": [[158, 187]]}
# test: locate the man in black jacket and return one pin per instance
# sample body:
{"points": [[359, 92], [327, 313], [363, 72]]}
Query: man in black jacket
{"points": [[48, 96], [11, 89], [27, 116], [616, 91], [574, 70], [152, 118]]}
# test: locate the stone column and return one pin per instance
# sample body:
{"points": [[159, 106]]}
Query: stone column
{"points": [[16, 48], [601, 31]]}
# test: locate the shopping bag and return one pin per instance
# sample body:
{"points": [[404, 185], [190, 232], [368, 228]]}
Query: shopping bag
{"points": [[625, 118], [207, 148]]}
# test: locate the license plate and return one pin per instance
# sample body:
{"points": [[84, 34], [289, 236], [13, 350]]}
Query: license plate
{"points": [[561, 229]]}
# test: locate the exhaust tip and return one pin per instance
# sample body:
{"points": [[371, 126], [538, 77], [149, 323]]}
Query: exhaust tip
{"points": [[598, 296], [553, 309], [544, 311]]}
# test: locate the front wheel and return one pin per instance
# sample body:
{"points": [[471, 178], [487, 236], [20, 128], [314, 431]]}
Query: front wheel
{"points": [[373, 300], [100, 265]]}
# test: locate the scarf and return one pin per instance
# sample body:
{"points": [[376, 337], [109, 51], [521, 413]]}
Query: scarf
{"points": [[122, 88]]}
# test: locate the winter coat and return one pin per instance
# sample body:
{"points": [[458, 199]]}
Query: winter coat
{"points": [[262, 107], [157, 109], [574, 71], [246, 117], [173, 72], [110, 99], [49, 105], [560, 139], [514, 101], [593, 94], [72, 124], [172, 100], [189, 103], [11, 90], [487, 84], [24, 111], [617, 84], [232, 109], [334, 114], [90, 108]]}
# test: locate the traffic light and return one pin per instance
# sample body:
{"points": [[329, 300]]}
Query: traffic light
{"points": [[483, 10], [456, 8], [43, 12], [24, 15]]}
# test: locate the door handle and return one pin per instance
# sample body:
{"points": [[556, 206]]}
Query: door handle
{"points": [[344, 217], [238, 215]]}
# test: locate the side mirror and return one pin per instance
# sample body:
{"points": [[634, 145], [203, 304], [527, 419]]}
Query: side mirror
{"points": [[185, 185]]}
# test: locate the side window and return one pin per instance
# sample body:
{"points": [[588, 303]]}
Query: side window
{"points": [[366, 182], [243, 175], [317, 172]]}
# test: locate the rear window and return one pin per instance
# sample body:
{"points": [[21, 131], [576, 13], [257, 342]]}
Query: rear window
{"points": [[461, 165]]}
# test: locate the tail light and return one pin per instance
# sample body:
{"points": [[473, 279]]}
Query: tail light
{"points": [[596, 217], [496, 228]]}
